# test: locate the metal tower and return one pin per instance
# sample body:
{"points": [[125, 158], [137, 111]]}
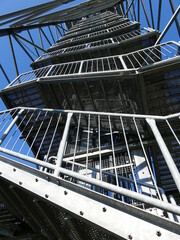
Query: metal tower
{"points": [[90, 139]]}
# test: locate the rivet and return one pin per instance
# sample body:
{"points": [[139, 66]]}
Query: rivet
{"points": [[158, 233], [14, 169], [36, 180], [46, 196], [20, 183], [104, 209], [130, 237], [81, 213], [65, 192]]}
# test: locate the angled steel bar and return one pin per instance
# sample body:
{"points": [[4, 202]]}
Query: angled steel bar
{"points": [[27, 10], [130, 10], [13, 54], [129, 7], [134, 12], [176, 20], [63, 144], [24, 49], [14, 19], [3, 71], [33, 42], [61, 26], [168, 26], [145, 12], [40, 38], [138, 6], [58, 28], [18, 29], [165, 152], [51, 34], [152, 17], [10, 127], [38, 11], [122, 8], [45, 36], [159, 14], [56, 32]]}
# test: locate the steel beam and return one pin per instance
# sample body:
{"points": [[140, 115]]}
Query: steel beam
{"points": [[24, 49], [62, 145], [13, 54], [168, 25], [159, 14], [176, 19], [31, 43], [3, 71], [165, 152], [104, 212]]}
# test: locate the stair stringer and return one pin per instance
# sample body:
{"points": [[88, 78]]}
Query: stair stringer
{"points": [[110, 215]]}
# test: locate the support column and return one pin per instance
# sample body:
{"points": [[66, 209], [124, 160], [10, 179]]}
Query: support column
{"points": [[165, 152], [10, 126], [62, 145]]}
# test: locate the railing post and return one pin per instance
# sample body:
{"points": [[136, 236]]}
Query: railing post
{"points": [[122, 62], [172, 200], [165, 152], [80, 68], [10, 126], [49, 71], [62, 145]]}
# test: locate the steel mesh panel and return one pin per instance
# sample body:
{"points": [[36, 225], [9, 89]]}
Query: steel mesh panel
{"points": [[163, 92]]}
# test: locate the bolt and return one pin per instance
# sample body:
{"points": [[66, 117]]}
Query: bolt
{"points": [[46, 196], [130, 237], [14, 169], [104, 209], [20, 183], [81, 213], [65, 192], [36, 180], [158, 233]]}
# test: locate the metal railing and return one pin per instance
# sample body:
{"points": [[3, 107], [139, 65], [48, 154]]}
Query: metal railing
{"points": [[104, 32], [104, 42], [105, 152], [108, 16], [95, 23], [93, 29], [135, 61]]}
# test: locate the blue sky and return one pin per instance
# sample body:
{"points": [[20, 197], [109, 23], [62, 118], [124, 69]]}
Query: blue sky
{"points": [[24, 63]]}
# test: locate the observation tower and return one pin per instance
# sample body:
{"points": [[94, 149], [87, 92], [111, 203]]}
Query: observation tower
{"points": [[90, 137]]}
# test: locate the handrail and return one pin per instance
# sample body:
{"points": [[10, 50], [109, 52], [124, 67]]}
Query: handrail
{"points": [[114, 40], [101, 32], [134, 61], [62, 142]]}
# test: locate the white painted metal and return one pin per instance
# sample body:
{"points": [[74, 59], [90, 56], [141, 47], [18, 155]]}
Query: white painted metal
{"points": [[167, 156], [120, 219], [79, 161], [147, 57], [63, 143]]}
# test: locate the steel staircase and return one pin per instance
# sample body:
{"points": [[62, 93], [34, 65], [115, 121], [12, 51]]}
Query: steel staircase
{"points": [[85, 152]]}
